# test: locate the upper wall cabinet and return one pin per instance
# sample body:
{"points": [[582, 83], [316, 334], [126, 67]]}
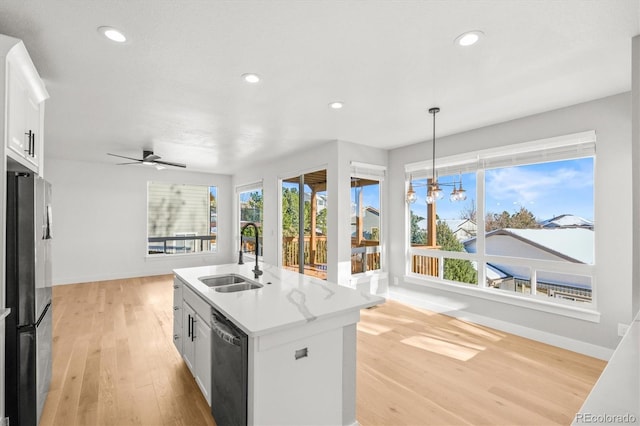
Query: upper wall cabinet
{"points": [[24, 114]]}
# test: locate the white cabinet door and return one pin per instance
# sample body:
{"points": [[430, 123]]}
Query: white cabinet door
{"points": [[24, 114], [203, 357], [34, 131], [17, 140], [188, 341]]}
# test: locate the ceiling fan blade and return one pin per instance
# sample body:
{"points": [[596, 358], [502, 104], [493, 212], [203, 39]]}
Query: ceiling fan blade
{"points": [[124, 164], [168, 163], [122, 156]]}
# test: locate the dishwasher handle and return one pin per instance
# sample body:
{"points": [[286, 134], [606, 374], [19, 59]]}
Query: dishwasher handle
{"points": [[221, 330]]}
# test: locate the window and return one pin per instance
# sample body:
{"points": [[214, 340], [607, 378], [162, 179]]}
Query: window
{"points": [[181, 219], [536, 208], [365, 217], [250, 208], [304, 223]]}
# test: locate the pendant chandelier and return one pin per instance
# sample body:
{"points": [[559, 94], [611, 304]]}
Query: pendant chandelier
{"points": [[434, 192]]}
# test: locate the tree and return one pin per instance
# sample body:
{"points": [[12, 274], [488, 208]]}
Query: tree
{"points": [[522, 219], [290, 215], [469, 211], [459, 270], [418, 236]]}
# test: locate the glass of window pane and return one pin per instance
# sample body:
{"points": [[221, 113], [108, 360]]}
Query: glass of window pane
{"points": [[365, 225], [251, 207], [181, 218], [563, 286]]}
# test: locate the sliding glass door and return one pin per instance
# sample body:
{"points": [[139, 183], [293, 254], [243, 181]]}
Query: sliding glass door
{"points": [[304, 242]]}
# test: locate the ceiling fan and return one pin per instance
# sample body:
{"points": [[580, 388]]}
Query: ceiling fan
{"points": [[149, 159]]}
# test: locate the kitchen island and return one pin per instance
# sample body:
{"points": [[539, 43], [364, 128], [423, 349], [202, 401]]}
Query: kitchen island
{"points": [[300, 342]]}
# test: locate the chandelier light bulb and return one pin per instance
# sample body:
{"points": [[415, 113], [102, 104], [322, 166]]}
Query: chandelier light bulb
{"points": [[430, 198], [411, 194], [437, 192]]}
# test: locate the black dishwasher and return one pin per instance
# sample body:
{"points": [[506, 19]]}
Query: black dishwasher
{"points": [[228, 372]]}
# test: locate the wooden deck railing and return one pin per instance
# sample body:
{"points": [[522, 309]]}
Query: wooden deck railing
{"points": [[363, 258], [290, 250], [425, 265]]}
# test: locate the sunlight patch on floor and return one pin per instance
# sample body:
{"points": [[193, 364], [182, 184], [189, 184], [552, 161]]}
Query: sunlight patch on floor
{"points": [[477, 330], [380, 316], [441, 347], [373, 329]]}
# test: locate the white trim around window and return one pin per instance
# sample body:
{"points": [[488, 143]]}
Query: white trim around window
{"points": [[564, 147]]}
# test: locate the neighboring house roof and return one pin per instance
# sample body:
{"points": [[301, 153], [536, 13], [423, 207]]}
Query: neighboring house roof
{"points": [[572, 244], [372, 210], [567, 221]]}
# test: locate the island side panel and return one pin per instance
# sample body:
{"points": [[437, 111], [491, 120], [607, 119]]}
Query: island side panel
{"points": [[349, 357], [306, 390]]}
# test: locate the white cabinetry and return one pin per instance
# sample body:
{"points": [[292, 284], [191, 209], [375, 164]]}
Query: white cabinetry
{"points": [[177, 315], [195, 335], [24, 110]]}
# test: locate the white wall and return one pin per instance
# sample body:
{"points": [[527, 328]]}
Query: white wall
{"points": [[100, 214], [100, 221], [336, 157], [611, 119], [635, 154]]}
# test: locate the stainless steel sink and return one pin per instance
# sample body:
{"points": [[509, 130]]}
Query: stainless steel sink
{"points": [[220, 280], [238, 287]]}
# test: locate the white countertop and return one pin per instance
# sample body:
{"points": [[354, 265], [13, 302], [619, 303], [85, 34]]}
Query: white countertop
{"points": [[291, 299], [615, 398]]}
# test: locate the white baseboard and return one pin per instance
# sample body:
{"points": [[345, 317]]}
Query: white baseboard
{"points": [[574, 345], [103, 277]]}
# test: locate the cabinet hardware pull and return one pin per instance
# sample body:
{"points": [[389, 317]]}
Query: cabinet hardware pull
{"points": [[302, 353], [189, 326], [175, 308], [28, 150], [193, 329], [176, 337], [33, 144], [176, 286]]}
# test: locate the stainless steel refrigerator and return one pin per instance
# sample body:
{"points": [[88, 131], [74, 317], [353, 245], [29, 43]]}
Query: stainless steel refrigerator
{"points": [[28, 355]]}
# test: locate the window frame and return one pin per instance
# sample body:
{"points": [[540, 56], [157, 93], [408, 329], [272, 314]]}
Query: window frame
{"points": [[565, 147], [372, 172], [211, 251], [240, 189]]}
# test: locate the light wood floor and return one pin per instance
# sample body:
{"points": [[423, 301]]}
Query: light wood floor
{"points": [[114, 363]]}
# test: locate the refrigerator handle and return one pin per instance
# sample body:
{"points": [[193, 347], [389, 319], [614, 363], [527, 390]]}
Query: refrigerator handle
{"points": [[47, 232]]}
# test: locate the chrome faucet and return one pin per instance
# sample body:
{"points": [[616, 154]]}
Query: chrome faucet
{"points": [[256, 271]]}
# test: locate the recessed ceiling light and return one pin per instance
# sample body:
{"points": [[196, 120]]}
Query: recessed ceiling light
{"points": [[469, 38], [251, 78], [112, 34], [336, 105]]}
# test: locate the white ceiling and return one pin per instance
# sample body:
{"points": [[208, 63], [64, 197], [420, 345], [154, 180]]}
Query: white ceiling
{"points": [[176, 87]]}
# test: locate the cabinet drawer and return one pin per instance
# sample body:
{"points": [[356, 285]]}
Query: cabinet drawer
{"points": [[201, 307]]}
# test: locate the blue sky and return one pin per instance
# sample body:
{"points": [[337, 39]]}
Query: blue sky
{"points": [[546, 189]]}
